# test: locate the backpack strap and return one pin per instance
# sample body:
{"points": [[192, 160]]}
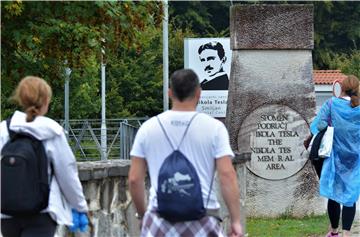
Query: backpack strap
{"points": [[11, 133], [187, 128], [182, 139], [211, 185], [167, 137]]}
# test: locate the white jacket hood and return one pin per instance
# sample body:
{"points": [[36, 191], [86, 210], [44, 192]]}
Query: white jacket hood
{"points": [[41, 128]]}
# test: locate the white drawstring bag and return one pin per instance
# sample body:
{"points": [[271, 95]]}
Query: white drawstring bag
{"points": [[326, 143]]}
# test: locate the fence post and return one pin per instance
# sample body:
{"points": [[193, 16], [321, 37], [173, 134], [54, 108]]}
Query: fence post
{"points": [[103, 115], [66, 100]]}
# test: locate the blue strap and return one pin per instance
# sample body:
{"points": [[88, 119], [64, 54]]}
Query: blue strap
{"points": [[182, 139]]}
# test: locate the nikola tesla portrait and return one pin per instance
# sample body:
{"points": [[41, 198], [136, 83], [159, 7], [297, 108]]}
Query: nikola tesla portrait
{"points": [[212, 58]]}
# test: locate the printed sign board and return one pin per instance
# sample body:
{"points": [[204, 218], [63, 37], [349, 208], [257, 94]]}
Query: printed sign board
{"points": [[210, 58]]}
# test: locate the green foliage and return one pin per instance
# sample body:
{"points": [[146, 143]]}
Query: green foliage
{"points": [[39, 37], [176, 44], [134, 84], [337, 31], [205, 18], [347, 63]]}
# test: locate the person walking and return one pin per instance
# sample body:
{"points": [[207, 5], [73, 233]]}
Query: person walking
{"points": [[33, 94], [340, 174], [204, 141]]}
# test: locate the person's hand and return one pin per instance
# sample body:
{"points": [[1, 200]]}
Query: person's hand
{"points": [[83, 222], [236, 230], [322, 125], [307, 141], [75, 220], [80, 221]]}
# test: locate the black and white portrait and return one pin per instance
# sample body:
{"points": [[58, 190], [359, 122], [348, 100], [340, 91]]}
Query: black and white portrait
{"points": [[212, 57]]}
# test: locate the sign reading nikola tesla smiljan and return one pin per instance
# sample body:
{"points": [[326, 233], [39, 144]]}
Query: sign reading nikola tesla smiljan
{"points": [[210, 58]]}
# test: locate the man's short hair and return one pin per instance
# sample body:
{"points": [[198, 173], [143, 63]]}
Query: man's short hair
{"points": [[183, 84], [215, 46]]}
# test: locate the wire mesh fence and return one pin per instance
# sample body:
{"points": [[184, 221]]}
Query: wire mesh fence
{"points": [[89, 143]]}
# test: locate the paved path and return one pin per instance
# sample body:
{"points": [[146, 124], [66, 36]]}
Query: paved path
{"points": [[355, 230]]}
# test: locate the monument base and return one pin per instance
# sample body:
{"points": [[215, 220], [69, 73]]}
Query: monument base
{"points": [[296, 196]]}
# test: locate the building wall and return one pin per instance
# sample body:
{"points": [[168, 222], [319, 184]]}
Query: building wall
{"points": [[322, 93]]}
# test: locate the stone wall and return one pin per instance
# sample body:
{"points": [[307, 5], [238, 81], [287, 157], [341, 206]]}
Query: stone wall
{"points": [[110, 208]]}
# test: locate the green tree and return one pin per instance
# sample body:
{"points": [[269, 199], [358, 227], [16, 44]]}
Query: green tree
{"points": [[337, 31], [135, 78], [204, 18], [38, 37], [347, 63]]}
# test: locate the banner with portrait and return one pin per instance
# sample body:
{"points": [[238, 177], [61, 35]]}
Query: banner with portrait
{"points": [[210, 58]]}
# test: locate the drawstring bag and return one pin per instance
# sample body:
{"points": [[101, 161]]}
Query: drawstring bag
{"points": [[179, 192]]}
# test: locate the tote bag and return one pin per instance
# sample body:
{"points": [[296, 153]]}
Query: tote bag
{"points": [[326, 143]]}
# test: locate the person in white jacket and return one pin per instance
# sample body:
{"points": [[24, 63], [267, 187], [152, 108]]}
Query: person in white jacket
{"points": [[33, 94]]}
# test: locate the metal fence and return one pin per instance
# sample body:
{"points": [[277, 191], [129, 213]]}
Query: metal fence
{"points": [[85, 138]]}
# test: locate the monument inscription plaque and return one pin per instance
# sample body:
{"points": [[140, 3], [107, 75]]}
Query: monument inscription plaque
{"points": [[273, 134]]}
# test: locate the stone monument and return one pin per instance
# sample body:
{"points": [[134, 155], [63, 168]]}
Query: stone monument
{"points": [[271, 102]]}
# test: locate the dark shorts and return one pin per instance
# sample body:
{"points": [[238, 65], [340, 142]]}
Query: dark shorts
{"points": [[41, 225]]}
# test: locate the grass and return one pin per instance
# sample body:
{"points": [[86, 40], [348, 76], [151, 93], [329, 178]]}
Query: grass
{"points": [[312, 226]]}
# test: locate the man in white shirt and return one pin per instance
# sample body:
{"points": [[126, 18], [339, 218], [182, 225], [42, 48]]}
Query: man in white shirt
{"points": [[206, 146]]}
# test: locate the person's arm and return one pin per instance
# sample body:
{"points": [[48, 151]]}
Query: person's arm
{"points": [[136, 178], [66, 171], [230, 192], [321, 121]]}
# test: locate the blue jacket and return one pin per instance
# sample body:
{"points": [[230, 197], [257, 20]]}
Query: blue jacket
{"points": [[340, 176]]}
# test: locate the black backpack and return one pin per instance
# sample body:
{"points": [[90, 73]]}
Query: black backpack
{"points": [[24, 175]]}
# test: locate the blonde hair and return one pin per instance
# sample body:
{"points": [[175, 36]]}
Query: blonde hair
{"points": [[350, 85], [32, 94]]}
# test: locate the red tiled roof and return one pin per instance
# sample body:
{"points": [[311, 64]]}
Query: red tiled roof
{"points": [[327, 77]]}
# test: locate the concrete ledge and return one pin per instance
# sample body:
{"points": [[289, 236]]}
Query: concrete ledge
{"points": [[272, 26], [103, 169], [241, 158]]}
